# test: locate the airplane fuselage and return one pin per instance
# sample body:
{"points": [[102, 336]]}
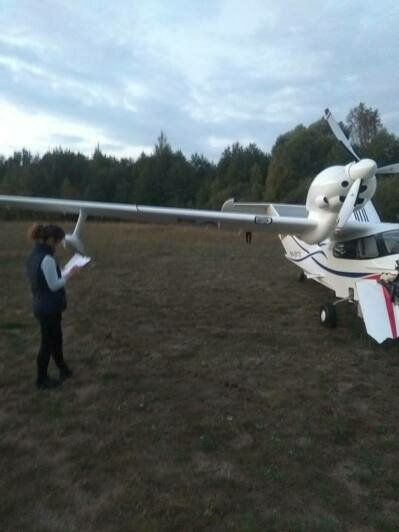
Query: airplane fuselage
{"points": [[339, 265]]}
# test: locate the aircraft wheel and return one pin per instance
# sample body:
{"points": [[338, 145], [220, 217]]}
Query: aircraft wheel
{"points": [[328, 315], [302, 277]]}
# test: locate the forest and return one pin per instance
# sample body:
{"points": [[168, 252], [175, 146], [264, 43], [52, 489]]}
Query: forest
{"points": [[247, 173]]}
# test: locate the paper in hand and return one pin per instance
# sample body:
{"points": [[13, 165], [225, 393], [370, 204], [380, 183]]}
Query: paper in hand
{"points": [[76, 260]]}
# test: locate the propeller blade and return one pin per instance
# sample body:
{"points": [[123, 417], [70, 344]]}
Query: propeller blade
{"points": [[364, 169], [336, 129], [348, 205], [390, 169]]}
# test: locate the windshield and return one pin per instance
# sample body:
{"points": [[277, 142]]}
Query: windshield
{"points": [[361, 248], [369, 247], [391, 241]]}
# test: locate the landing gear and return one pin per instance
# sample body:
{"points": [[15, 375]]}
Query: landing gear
{"points": [[328, 316], [302, 277]]}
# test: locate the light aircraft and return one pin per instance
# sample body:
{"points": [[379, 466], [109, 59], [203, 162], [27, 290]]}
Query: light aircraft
{"points": [[337, 238]]}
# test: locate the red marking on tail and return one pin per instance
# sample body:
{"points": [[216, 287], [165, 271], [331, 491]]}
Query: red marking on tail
{"points": [[391, 312]]}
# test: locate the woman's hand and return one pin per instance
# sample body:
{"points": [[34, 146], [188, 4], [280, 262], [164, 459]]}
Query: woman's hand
{"points": [[74, 271]]}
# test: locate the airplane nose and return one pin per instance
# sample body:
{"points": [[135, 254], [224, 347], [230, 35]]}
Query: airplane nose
{"points": [[364, 169]]}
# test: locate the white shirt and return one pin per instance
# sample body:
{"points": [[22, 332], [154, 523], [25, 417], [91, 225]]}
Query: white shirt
{"points": [[49, 269]]}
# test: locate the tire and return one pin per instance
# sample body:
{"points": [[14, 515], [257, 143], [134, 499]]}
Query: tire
{"points": [[328, 316]]}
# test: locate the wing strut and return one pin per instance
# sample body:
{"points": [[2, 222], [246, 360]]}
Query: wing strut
{"points": [[75, 239]]}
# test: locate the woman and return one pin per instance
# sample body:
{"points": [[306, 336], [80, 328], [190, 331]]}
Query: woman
{"points": [[49, 300]]}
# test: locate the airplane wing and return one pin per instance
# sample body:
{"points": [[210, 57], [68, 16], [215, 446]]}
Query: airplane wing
{"points": [[250, 221], [380, 314]]}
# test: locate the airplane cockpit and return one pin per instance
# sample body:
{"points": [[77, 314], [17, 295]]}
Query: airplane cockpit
{"points": [[369, 247]]}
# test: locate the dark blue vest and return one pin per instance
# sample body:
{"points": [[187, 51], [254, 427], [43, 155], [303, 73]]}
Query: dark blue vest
{"points": [[45, 301]]}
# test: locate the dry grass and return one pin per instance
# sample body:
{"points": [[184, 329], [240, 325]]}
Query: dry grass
{"points": [[206, 396]]}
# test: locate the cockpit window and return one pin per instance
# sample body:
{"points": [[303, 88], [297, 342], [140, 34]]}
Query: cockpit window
{"points": [[369, 247], [345, 250], [391, 241], [361, 248]]}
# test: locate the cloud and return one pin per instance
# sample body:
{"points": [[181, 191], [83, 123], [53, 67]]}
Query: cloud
{"points": [[203, 72], [39, 132]]}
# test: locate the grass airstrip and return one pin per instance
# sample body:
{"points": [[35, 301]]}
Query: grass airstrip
{"points": [[206, 396]]}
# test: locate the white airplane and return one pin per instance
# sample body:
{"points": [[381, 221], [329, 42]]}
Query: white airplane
{"points": [[337, 238]]}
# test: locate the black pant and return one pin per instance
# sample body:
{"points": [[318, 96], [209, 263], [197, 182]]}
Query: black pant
{"points": [[51, 345]]}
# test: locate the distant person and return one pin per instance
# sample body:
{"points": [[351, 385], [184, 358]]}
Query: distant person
{"points": [[248, 237], [49, 300]]}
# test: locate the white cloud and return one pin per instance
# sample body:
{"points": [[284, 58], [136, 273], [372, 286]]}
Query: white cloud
{"points": [[205, 72], [40, 132], [88, 92], [219, 142]]}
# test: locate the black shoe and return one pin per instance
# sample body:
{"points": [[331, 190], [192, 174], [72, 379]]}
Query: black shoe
{"points": [[47, 383], [65, 374]]}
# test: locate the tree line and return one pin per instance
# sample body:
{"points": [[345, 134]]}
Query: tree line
{"points": [[247, 173]]}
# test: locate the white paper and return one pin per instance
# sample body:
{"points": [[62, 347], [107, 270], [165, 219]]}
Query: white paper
{"points": [[76, 260]]}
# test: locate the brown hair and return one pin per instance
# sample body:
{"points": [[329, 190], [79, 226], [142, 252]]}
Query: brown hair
{"points": [[44, 232]]}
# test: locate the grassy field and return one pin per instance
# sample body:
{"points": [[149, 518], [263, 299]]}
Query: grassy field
{"points": [[206, 397]]}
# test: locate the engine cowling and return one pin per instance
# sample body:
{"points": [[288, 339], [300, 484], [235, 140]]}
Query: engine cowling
{"points": [[330, 188]]}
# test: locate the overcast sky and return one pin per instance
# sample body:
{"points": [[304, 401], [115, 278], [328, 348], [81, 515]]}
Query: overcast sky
{"points": [[207, 73]]}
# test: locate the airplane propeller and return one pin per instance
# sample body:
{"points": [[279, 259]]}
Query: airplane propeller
{"points": [[389, 169], [348, 205], [363, 169], [340, 135]]}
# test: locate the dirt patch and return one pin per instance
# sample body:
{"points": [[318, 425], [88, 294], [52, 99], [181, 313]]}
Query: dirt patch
{"points": [[206, 396]]}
